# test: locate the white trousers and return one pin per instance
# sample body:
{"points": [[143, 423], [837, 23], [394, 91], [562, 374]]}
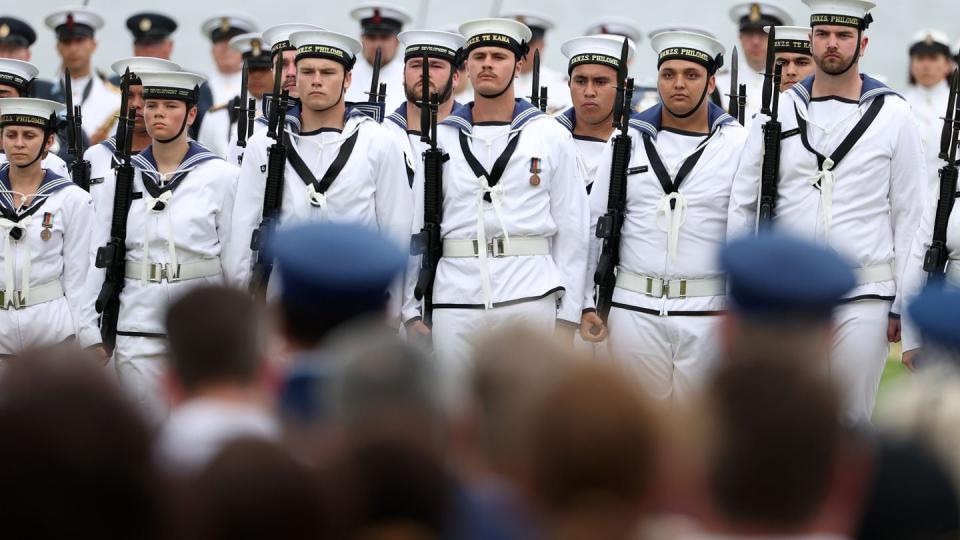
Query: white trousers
{"points": [[670, 355], [860, 350], [456, 331], [140, 364]]}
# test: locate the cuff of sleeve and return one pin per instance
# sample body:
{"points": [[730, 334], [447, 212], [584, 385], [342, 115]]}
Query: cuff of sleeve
{"points": [[589, 310], [412, 320], [894, 316]]}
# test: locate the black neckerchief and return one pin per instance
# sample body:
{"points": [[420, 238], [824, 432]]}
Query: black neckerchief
{"points": [[499, 166], [672, 185], [304, 172], [848, 142]]}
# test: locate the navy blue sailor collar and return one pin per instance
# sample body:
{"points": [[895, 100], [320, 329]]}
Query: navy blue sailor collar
{"points": [[523, 113], [349, 112], [649, 121], [50, 184], [196, 154], [399, 116], [870, 89]]}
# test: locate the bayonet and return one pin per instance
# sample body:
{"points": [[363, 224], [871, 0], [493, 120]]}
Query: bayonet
{"points": [[769, 90], [733, 106]]}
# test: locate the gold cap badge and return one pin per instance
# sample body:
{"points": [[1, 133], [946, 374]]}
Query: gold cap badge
{"points": [[755, 13], [145, 24], [4, 30], [224, 24]]}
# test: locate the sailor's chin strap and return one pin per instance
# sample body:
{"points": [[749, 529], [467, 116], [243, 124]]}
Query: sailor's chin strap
{"points": [[23, 245], [692, 111], [505, 88], [856, 55], [183, 126], [343, 92]]}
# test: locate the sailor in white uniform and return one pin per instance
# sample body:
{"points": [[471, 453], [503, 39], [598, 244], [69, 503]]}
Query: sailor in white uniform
{"points": [[593, 63], [218, 133], [16, 77], [176, 226], [46, 223], [930, 66], [558, 95], [442, 50], [341, 164], [102, 156], [851, 174], [670, 289], [224, 82], [76, 43], [752, 18], [791, 50], [644, 91], [513, 188], [380, 22]]}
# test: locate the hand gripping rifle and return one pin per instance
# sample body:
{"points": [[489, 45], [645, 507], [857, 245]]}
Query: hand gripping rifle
{"points": [[770, 168], [937, 256], [245, 110], [538, 94], [113, 256], [79, 167], [273, 192], [610, 224], [428, 242]]}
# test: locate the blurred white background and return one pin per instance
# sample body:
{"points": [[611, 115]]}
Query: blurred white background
{"points": [[895, 23]]}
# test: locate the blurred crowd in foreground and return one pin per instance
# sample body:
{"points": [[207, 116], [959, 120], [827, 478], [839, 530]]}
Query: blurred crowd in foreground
{"points": [[354, 437]]}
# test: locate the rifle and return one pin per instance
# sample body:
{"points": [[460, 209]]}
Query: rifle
{"points": [[79, 167], [273, 192], [122, 128], [428, 242], [538, 95], [245, 110], [112, 257], [937, 256], [742, 104], [609, 226], [770, 169], [378, 90], [733, 106]]}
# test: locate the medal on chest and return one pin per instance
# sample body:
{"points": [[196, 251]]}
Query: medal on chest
{"points": [[535, 171], [47, 226]]}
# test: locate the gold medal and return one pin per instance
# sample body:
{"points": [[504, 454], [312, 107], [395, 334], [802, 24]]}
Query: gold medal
{"points": [[535, 180], [535, 171], [45, 234], [47, 224]]}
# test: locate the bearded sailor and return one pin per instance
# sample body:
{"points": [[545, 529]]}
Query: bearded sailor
{"points": [[341, 164], [177, 223], [46, 223], [669, 286], [514, 212], [851, 167], [593, 65], [442, 50], [380, 23], [219, 129]]}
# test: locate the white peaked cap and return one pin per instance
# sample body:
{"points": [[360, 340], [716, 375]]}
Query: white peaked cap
{"points": [[40, 109], [530, 18], [843, 8], [228, 20], [931, 36], [387, 10], [515, 30], [603, 50], [143, 63], [80, 15], [688, 46], [280, 34], [17, 72], [618, 26], [425, 41], [246, 43], [759, 10], [692, 28]]}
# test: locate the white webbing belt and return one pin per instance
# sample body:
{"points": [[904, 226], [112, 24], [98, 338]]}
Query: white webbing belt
{"points": [[518, 246], [38, 295], [874, 274], [674, 288], [157, 272]]}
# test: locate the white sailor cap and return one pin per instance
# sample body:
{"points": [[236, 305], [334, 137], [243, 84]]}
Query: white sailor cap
{"points": [[852, 13], [74, 22], [505, 33], [380, 17], [254, 50], [756, 15], [791, 39], [698, 48], [433, 43], [226, 25], [536, 21], [930, 41], [326, 44], [603, 50], [178, 85], [617, 26], [142, 63], [18, 74], [34, 112], [692, 28], [278, 37]]}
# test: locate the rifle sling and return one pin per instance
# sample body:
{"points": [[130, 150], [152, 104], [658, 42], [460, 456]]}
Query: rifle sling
{"points": [[304, 172], [668, 185], [499, 166], [851, 139]]}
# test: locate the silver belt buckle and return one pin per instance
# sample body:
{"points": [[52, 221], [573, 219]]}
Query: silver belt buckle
{"points": [[682, 293], [497, 248], [16, 302], [171, 273]]}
